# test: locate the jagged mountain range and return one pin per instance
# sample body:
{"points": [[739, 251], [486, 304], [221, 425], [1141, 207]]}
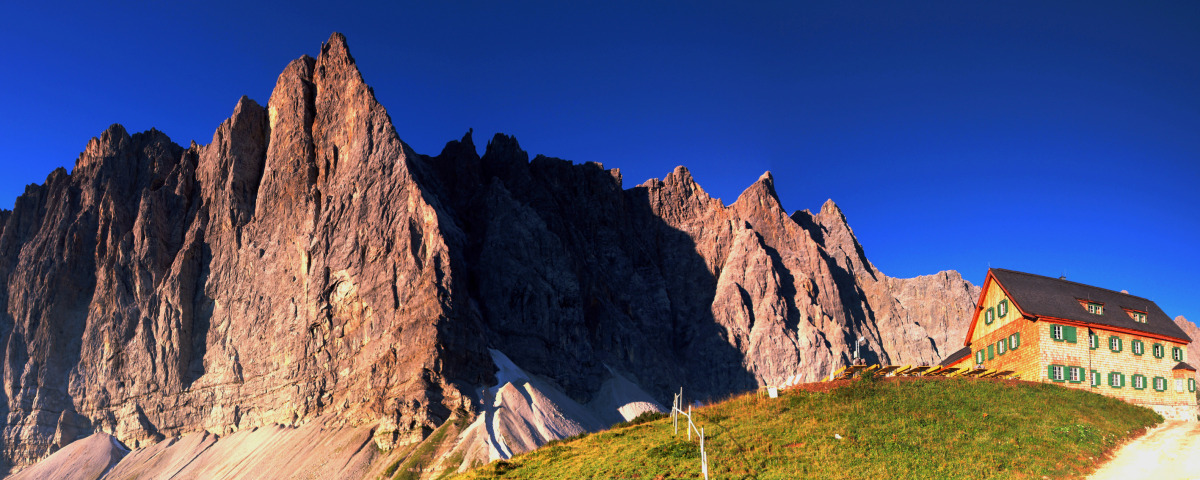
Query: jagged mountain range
{"points": [[308, 265]]}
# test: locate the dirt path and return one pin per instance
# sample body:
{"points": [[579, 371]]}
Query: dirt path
{"points": [[1170, 451]]}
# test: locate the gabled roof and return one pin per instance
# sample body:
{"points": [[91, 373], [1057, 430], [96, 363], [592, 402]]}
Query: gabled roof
{"points": [[956, 356], [1057, 298], [1184, 366]]}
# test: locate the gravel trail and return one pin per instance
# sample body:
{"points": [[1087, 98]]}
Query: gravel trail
{"points": [[1170, 451]]}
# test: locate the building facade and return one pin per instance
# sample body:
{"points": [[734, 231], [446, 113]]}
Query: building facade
{"points": [[1080, 336]]}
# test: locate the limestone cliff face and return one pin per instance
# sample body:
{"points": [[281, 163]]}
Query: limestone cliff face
{"points": [[306, 263]]}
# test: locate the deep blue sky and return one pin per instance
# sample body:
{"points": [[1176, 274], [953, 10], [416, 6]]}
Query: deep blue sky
{"points": [[1055, 139]]}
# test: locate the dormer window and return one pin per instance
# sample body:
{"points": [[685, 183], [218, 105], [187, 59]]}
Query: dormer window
{"points": [[1094, 308], [1137, 316]]}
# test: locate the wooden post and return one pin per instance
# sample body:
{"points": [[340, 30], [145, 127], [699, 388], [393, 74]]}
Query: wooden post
{"points": [[675, 414]]}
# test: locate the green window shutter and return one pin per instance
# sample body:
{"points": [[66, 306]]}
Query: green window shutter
{"points": [[1002, 308], [1139, 382], [1053, 329], [989, 316], [1074, 373], [1069, 334], [1014, 341], [991, 352], [1191, 385], [1157, 349], [1093, 341], [1095, 380], [979, 357], [1114, 344], [1136, 346], [1001, 346], [1177, 354], [1050, 374]]}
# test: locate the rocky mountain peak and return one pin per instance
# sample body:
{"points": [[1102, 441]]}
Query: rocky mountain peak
{"points": [[110, 140], [680, 179], [335, 50], [504, 149], [462, 147], [761, 193], [307, 267]]}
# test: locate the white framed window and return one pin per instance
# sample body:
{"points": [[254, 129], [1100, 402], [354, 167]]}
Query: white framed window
{"points": [[1138, 316], [1116, 380], [1177, 354], [1139, 382], [1178, 385], [1076, 374], [1056, 373], [989, 316], [1056, 332], [1002, 308], [1114, 343], [979, 357], [1138, 348], [1093, 341], [1095, 308], [1158, 350], [1001, 347], [1095, 378]]}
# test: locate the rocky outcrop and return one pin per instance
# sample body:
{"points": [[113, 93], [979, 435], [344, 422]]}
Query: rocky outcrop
{"points": [[1190, 328], [308, 264]]}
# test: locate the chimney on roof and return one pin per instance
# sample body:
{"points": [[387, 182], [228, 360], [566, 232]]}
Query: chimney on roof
{"points": [[1063, 277]]}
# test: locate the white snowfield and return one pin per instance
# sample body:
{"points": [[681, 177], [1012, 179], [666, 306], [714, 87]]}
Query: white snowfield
{"points": [[523, 411]]}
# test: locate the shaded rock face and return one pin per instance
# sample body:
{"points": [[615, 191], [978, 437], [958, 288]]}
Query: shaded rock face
{"points": [[307, 263]]}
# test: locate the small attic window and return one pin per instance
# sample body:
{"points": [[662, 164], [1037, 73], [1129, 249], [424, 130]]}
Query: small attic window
{"points": [[1137, 316], [1094, 308]]}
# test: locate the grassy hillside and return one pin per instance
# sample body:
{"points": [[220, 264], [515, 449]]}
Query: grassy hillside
{"points": [[892, 428]]}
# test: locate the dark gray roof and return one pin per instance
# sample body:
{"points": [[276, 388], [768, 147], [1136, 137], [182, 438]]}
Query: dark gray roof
{"points": [[1052, 297], [1184, 366], [956, 356]]}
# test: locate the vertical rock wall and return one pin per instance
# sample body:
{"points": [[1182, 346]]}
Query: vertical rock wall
{"points": [[307, 263]]}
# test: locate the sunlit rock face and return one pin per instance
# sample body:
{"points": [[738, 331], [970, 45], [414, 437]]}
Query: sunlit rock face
{"points": [[307, 263], [1190, 328]]}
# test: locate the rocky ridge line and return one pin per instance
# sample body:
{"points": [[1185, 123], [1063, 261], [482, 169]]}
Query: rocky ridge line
{"points": [[308, 264]]}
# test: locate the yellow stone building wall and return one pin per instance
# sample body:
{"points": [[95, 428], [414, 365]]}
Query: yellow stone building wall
{"points": [[1037, 351], [1025, 359], [1105, 361], [991, 299]]}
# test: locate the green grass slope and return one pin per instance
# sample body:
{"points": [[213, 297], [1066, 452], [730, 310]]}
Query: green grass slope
{"points": [[892, 428]]}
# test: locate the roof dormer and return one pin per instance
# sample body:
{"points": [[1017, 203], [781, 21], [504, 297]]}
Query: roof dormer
{"points": [[1093, 307], [1137, 315]]}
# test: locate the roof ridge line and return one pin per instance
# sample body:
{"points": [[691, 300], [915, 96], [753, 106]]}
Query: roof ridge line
{"points": [[1074, 283]]}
